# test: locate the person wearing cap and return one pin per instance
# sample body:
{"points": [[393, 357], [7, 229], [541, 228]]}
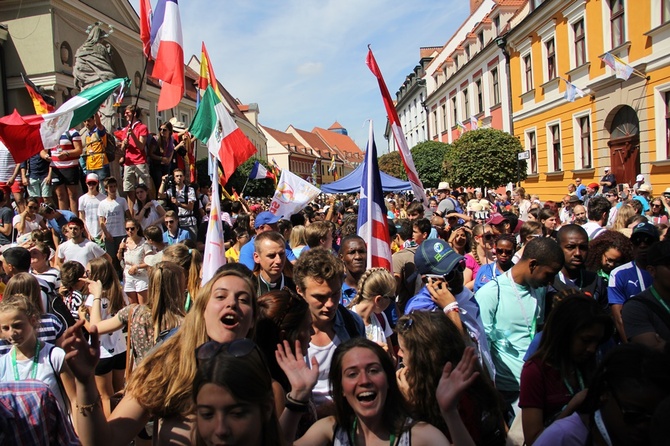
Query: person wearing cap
{"points": [[632, 278], [88, 208], [598, 211], [182, 146], [78, 247], [642, 195], [646, 316], [439, 269], [445, 201], [591, 191], [512, 309], [95, 143], [264, 221], [608, 181], [639, 181], [499, 224]]}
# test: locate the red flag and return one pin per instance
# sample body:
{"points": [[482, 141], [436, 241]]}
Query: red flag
{"points": [[168, 52], [145, 27], [405, 154]]}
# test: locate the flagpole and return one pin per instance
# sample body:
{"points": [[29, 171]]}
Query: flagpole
{"points": [[245, 186], [139, 88]]}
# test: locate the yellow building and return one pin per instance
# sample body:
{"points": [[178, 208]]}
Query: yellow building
{"points": [[620, 123]]}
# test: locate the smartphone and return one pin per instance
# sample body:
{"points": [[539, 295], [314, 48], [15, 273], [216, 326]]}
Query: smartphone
{"points": [[620, 187]]}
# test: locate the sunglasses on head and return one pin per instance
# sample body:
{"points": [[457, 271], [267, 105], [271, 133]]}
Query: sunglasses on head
{"points": [[239, 348]]}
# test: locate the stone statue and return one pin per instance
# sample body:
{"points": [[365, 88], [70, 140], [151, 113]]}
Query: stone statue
{"points": [[93, 65]]}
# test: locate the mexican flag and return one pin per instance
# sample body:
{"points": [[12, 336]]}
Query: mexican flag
{"points": [[25, 136], [213, 125]]}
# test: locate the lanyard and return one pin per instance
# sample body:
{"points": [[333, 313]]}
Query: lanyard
{"points": [[659, 299], [531, 326], [33, 368], [600, 424], [353, 434], [579, 379]]}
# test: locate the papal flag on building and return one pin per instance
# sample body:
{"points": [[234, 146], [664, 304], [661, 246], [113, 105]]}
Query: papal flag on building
{"points": [[621, 69], [213, 125], [25, 136], [572, 91], [372, 221]]}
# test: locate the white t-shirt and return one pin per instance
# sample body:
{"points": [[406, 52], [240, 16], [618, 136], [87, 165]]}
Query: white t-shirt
{"points": [[44, 371], [89, 204], [7, 164], [375, 331], [82, 252], [29, 226], [113, 343], [324, 356], [114, 213], [151, 218]]}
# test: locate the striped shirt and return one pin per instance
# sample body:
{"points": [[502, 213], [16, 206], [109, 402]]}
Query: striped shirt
{"points": [[50, 329], [30, 415], [65, 143]]}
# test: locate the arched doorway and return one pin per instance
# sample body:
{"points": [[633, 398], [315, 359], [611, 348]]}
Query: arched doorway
{"points": [[624, 145]]}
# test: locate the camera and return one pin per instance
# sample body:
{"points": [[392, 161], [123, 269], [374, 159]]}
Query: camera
{"points": [[169, 181]]}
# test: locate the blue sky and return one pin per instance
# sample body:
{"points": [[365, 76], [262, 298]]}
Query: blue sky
{"points": [[303, 61]]}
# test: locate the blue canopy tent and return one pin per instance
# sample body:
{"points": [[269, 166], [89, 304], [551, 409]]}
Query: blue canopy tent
{"points": [[352, 183]]}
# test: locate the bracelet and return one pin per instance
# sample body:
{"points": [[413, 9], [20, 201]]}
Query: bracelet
{"points": [[451, 307], [82, 409], [295, 405], [97, 298]]}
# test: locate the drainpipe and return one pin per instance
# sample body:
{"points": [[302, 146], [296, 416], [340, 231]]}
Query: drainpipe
{"points": [[502, 44]]}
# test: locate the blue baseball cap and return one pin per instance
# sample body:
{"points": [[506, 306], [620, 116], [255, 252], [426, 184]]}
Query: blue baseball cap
{"points": [[265, 218], [435, 256]]}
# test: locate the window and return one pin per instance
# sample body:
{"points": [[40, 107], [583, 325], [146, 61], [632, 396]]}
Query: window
{"points": [[666, 97], [454, 109], [665, 11], [434, 122], [551, 59], [480, 96], [496, 25], [580, 43], [617, 22], [528, 72], [585, 141], [532, 148], [480, 38], [496, 86], [555, 147], [467, 52], [466, 104], [445, 124]]}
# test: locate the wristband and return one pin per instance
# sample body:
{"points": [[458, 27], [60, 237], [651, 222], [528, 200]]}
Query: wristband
{"points": [[451, 307], [295, 405]]}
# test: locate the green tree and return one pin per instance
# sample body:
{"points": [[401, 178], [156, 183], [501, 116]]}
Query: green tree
{"points": [[428, 159], [485, 158], [255, 188], [391, 164]]}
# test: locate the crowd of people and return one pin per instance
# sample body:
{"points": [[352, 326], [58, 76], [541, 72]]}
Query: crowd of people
{"points": [[503, 319]]}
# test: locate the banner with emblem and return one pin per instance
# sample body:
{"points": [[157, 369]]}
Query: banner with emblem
{"points": [[292, 195]]}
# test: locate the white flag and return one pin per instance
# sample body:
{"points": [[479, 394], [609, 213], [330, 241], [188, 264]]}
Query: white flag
{"points": [[292, 194], [215, 251]]}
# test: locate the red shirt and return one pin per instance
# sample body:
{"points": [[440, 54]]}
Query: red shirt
{"points": [[543, 388], [134, 155]]}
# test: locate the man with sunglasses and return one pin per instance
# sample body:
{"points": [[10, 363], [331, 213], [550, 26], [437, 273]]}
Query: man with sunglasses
{"points": [[440, 270], [632, 278], [78, 247], [174, 234], [88, 208], [512, 309]]}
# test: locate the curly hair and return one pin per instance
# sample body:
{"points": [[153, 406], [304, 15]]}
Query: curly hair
{"points": [[419, 329], [607, 240], [319, 264]]}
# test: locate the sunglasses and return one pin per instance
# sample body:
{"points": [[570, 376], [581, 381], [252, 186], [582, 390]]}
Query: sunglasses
{"points": [[507, 252], [631, 416], [169, 222], [132, 228], [33, 208], [239, 348], [489, 237], [92, 183], [458, 268]]}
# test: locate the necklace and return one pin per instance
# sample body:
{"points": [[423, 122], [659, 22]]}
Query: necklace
{"points": [[33, 368], [580, 380]]}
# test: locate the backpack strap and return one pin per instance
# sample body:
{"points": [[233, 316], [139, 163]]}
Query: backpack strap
{"points": [[349, 323], [595, 232], [381, 320], [654, 307]]}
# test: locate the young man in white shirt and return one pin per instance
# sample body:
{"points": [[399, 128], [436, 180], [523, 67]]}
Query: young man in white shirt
{"points": [[88, 208], [78, 247], [112, 214]]}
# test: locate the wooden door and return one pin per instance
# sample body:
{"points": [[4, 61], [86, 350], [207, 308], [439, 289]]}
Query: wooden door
{"points": [[625, 158]]}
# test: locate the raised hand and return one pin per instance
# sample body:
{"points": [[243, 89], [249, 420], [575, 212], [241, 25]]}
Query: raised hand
{"points": [[300, 376], [80, 356], [455, 380]]}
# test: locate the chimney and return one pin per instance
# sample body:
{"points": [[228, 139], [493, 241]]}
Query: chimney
{"points": [[474, 4]]}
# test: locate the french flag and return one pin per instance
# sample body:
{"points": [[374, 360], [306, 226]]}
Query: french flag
{"points": [[167, 51], [258, 172], [372, 222]]}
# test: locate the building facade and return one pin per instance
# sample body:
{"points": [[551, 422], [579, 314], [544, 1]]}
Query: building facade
{"points": [[619, 123]]}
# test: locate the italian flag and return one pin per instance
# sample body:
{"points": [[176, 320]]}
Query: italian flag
{"points": [[25, 136], [213, 125]]}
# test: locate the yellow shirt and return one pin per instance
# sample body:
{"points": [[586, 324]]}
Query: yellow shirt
{"points": [[233, 255], [95, 150]]}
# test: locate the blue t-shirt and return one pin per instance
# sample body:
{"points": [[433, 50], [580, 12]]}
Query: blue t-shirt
{"points": [[643, 201], [625, 283], [58, 223], [485, 274], [247, 254], [182, 234]]}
